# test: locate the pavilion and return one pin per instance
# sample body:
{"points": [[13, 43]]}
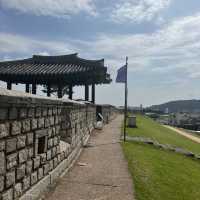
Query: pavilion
{"points": [[58, 71]]}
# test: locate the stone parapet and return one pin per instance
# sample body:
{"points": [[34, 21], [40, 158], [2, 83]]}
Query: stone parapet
{"points": [[37, 134]]}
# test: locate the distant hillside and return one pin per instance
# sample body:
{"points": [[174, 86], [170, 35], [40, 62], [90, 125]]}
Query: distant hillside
{"points": [[179, 106]]}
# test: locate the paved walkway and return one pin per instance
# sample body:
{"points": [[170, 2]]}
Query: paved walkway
{"points": [[101, 172], [187, 135]]}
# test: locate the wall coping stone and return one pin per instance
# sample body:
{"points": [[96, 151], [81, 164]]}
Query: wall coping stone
{"points": [[18, 97]]}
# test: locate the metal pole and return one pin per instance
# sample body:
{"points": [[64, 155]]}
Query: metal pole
{"points": [[86, 92], [93, 93], [48, 90], [27, 88], [125, 103], [70, 92]]}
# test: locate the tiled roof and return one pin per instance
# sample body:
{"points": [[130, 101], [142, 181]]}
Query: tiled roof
{"points": [[42, 69]]}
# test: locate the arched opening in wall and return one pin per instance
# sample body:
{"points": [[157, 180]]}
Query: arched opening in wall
{"points": [[41, 145], [41, 142]]}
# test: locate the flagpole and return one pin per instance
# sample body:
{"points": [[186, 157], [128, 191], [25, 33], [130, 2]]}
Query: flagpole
{"points": [[125, 102]]}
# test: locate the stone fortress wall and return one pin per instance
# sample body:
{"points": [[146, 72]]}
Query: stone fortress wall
{"points": [[39, 139]]}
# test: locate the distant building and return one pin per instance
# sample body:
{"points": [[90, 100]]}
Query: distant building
{"points": [[166, 110], [185, 120]]}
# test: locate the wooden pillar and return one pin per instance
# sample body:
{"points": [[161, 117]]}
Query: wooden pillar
{"points": [[59, 91], [86, 92], [48, 90], [34, 88], [27, 88], [93, 93], [9, 85], [70, 92]]}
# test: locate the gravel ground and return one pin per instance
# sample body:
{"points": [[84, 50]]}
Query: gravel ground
{"points": [[101, 172]]}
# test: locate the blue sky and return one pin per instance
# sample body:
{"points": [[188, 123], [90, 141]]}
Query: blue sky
{"points": [[161, 39]]}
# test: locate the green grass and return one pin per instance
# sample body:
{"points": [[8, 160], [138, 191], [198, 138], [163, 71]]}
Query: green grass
{"points": [[148, 128], [162, 175], [159, 174]]}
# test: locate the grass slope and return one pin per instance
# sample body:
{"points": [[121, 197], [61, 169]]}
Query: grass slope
{"points": [[148, 128], [162, 175], [159, 174]]}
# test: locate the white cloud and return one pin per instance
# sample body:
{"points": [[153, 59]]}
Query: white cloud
{"points": [[176, 47], [163, 60], [138, 10], [17, 44], [56, 8]]}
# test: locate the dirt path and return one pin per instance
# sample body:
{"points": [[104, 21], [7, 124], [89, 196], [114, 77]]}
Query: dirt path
{"points": [[104, 172], [182, 132]]}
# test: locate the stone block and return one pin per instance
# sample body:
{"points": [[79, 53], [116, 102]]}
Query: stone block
{"points": [[13, 113], [44, 112], [42, 132], [17, 190], [8, 195], [53, 131], [40, 173], [26, 183], [43, 158], [49, 132], [59, 158], [59, 110], [21, 171], [21, 141], [11, 145], [55, 162], [57, 149], [50, 143], [26, 125], [10, 178], [49, 155], [23, 113], [3, 113], [34, 178], [30, 138], [11, 160], [54, 111], [53, 153], [52, 120], [50, 111], [46, 168], [2, 163], [47, 122], [16, 128], [41, 123], [30, 152], [2, 183], [23, 156], [56, 119], [38, 112], [31, 112], [57, 129], [55, 141], [62, 155], [38, 189], [36, 162], [51, 165], [2, 145], [29, 166], [4, 130], [34, 124]]}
